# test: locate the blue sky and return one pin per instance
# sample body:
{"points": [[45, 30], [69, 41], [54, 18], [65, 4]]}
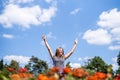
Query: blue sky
{"points": [[96, 24]]}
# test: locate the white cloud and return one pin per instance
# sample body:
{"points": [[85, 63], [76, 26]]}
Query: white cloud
{"points": [[50, 35], [75, 11], [87, 58], [20, 59], [115, 66], [25, 16], [116, 34], [80, 59], [115, 47], [13, 14], [75, 65], [114, 59], [47, 14], [98, 37], [108, 32], [20, 1], [8, 36], [110, 19], [48, 1], [84, 59]]}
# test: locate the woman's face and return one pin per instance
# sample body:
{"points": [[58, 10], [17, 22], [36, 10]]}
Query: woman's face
{"points": [[60, 52]]}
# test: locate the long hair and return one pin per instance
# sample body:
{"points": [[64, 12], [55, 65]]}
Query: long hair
{"points": [[57, 51]]}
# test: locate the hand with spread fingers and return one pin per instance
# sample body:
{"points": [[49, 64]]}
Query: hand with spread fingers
{"points": [[76, 41], [44, 37]]}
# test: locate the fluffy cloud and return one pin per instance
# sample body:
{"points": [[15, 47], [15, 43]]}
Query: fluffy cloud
{"points": [[108, 32], [79, 59], [115, 47], [48, 1], [115, 67], [8, 36], [75, 11], [13, 14], [114, 59], [116, 34], [50, 35], [75, 65], [20, 59], [20, 1], [109, 19], [80, 62], [25, 16], [47, 14], [98, 37]]}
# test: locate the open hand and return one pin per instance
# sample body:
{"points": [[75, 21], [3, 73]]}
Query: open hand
{"points": [[44, 37], [76, 41]]}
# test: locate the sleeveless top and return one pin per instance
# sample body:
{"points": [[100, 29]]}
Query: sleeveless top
{"points": [[58, 62]]}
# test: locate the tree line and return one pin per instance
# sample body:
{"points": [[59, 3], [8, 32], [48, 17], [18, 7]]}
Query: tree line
{"points": [[36, 66]]}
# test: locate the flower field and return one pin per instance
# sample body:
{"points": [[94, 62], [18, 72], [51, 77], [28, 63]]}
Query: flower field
{"points": [[53, 74]]}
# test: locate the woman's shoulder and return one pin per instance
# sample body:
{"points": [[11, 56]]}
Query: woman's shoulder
{"points": [[53, 57]]}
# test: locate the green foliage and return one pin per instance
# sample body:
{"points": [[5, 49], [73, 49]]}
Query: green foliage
{"points": [[118, 59], [1, 64], [69, 77], [4, 71], [68, 65], [36, 65], [14, 64], [2, 77], [118, 71], [118, 62], [97, 64]]}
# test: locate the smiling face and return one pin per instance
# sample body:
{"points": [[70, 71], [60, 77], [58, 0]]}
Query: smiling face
{"points": [[59, 52]]}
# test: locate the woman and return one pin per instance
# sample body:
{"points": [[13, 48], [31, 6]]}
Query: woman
{"points": [[59, 57]]}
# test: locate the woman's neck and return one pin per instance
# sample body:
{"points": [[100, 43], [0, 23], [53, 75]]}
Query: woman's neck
{"points": [[59, 56]]}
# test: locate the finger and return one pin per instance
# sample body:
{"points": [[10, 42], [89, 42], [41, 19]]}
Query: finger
{"points": [[76, 40], [43, 36]]}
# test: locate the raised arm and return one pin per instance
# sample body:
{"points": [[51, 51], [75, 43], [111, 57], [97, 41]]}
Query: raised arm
{"points": [[47, 45], [72, 50]]}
